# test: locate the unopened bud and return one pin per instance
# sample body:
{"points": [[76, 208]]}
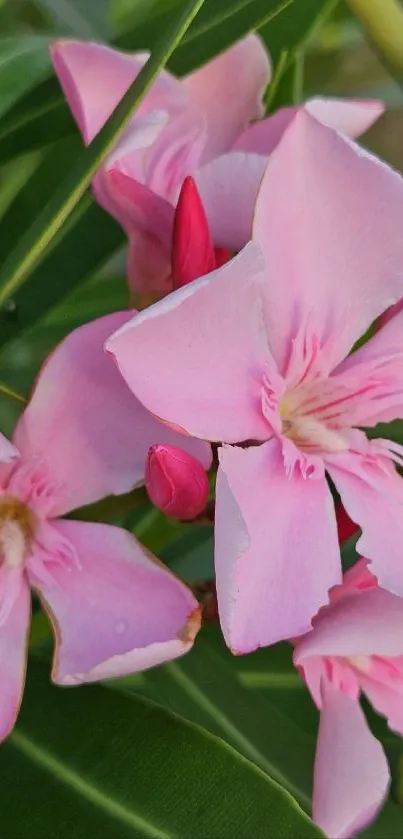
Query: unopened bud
{"points": [[176, 482], [192, 246], [345, 527]]}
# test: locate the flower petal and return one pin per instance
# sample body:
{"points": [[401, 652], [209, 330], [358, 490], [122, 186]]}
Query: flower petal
{"points": [[362, 623], [115, 609], [387, 699], [201, 353], [13, 655], [348, 116], [373, 377], [365, 486], [229, 181], [228, 96], [328, 220], [276, 548], [351, 776], [95, 77], [8, 451], [83, 425]]}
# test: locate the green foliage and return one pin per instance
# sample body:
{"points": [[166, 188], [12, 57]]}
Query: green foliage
{"points": [[89, 761]]}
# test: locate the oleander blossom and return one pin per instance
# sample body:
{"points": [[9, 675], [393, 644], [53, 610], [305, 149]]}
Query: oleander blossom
{"points": [[114, 608], [354, 648], [203, 124], [256, 356]]}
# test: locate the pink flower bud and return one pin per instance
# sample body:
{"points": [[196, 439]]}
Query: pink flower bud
{"points": [[176, 482], [192, 245]]}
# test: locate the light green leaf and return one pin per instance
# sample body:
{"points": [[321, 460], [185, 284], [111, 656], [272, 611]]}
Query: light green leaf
{"points": [[90, 762], [24, 258]]}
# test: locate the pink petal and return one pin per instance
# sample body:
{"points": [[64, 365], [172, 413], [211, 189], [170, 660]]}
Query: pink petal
{"points": [[134, 205], [351, 776], [387, 699], [229, 90], [148, 221], [115, 609], [328, 220], [229, 181], [201, 353], [148, 264], [95, 77], [13, 654], [272, 570], [365, 623], [375, 374], [83, 425], [8, 452], [348, 116], [367, 487]]}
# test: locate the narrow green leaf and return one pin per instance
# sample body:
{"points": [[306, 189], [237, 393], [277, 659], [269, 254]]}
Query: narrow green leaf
{"points": [[23, 62], [82, 18], [91, 762], [31, 248], [218, 26]]}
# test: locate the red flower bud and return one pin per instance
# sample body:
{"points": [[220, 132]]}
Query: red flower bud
{"points": [[345, 527], [192, 245], [222, 255], [176, 482]]}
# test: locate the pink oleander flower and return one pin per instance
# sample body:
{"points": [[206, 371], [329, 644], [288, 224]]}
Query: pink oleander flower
{"points": [[113, 608], [256, 356], [354, 648], [184, 127]]}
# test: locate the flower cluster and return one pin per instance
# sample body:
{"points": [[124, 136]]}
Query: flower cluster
{"points": [[269, 245]]}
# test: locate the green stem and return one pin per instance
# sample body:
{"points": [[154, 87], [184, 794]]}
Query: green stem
{"points": [[382, 20], [12, 394]]}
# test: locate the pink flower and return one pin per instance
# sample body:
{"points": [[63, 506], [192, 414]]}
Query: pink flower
{"points": [[114, 610], [255, 356], [355, 647], [182, 127], [179, 126]]}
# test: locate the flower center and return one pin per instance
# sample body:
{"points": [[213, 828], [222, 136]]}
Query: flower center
{"points": [[307, 430], [362, 663], [17, 530]]}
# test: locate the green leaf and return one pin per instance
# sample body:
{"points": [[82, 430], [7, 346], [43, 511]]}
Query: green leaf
{"points": [[90, 762], [82, 18], [36, 120], [217, 26], [286, 37], [204, 687], [191, 556], [24, 61], [30, 250]]}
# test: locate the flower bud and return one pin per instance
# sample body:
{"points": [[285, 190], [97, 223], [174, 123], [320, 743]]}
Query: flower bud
{"points": [[192, 246], [176, 482], [345, 527]]}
